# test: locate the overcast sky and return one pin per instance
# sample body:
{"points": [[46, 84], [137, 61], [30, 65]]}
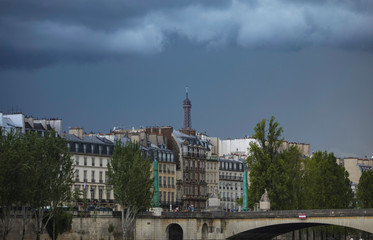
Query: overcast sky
{"points": [[99, 64]]}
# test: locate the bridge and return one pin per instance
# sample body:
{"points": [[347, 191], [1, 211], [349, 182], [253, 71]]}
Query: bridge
{"points": [[246, 225]]}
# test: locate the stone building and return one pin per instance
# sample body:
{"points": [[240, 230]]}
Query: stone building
{"points": [[19, 121], [154, 141], [166, 174], [355, 167], [91, 155], [230, 183]]}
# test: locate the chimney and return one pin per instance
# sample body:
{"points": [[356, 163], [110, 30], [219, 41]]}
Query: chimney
{"points": [[77, 132]]}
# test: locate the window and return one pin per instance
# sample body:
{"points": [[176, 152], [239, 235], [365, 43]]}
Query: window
{"points": [[93, 176], [85, 175], [160, 195], [108, 161], [108, 194], [164, 168], [106, 177], [77, 174], [99, 149], [101, 162], [100, 192], [77, 160], [160, 181], [107, 150], [85, 148], [164, 181], [93, 192], [168, 197], [172, 182], [93, 162], [92, 148], [68, 147], [173, 197], [169, 182], [164, 196], [76, 147], [85, 161], [101, 180]]}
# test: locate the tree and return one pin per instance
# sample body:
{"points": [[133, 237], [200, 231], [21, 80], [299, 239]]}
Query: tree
{"points": [[129, 173], [326, 184], [277, 171], [36, 173], [11, 171], [364, 191], [50, 176], [61, 222], [110, 229]]}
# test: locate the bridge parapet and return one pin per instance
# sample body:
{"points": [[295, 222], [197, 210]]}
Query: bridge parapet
{"points": [[267, 214], [251, 225]]}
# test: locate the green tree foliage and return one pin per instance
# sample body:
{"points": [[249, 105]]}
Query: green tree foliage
{"points": [[36, 173], [326, 184], [12, 171], [60, 222], [129, 173], [278, 172], [365, 190]]}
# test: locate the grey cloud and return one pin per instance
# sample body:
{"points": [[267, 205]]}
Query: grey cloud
{"points": [[75, 31]]}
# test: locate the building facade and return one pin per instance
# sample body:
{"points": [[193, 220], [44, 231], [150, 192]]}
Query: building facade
{"points": [[91, 155], [230, 183], [355, 167]]}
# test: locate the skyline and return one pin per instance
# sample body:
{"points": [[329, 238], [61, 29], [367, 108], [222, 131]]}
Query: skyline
{"points": [[99, 64]]}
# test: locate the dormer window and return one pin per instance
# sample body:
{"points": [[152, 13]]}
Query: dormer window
{"points": [[92, 148], [85, 148], [99, 149], [76, 147]]}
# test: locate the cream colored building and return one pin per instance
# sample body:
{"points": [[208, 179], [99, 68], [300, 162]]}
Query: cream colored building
{"points": [[355, 167], [91, 155]]}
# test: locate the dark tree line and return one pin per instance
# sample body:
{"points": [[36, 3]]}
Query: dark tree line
{"points": [[36, 177], [291, 180]]}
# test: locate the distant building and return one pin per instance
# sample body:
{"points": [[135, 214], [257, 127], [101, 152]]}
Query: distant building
{"points": [[154, 142], [191, 174], [91, 155], [19, 121], [355, 167], [230, 183], [241, 147]]}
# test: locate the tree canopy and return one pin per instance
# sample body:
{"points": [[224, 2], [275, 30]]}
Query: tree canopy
{"points": [[294, 182], [36, 173], [272, 169], [364, 191], [130, 175], [326, 184]]}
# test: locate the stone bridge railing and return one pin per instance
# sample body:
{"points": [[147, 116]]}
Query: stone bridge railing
{"points": [[267, 214]]}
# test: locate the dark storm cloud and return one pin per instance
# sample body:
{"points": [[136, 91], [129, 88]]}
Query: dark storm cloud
{"points": [[34, 33]]}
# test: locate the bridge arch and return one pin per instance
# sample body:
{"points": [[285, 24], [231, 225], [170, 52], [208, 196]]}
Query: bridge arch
{"points": [[174, 232], [271, 231]]}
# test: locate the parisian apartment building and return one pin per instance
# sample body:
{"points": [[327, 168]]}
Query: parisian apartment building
{"points": [[91, 154]]}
